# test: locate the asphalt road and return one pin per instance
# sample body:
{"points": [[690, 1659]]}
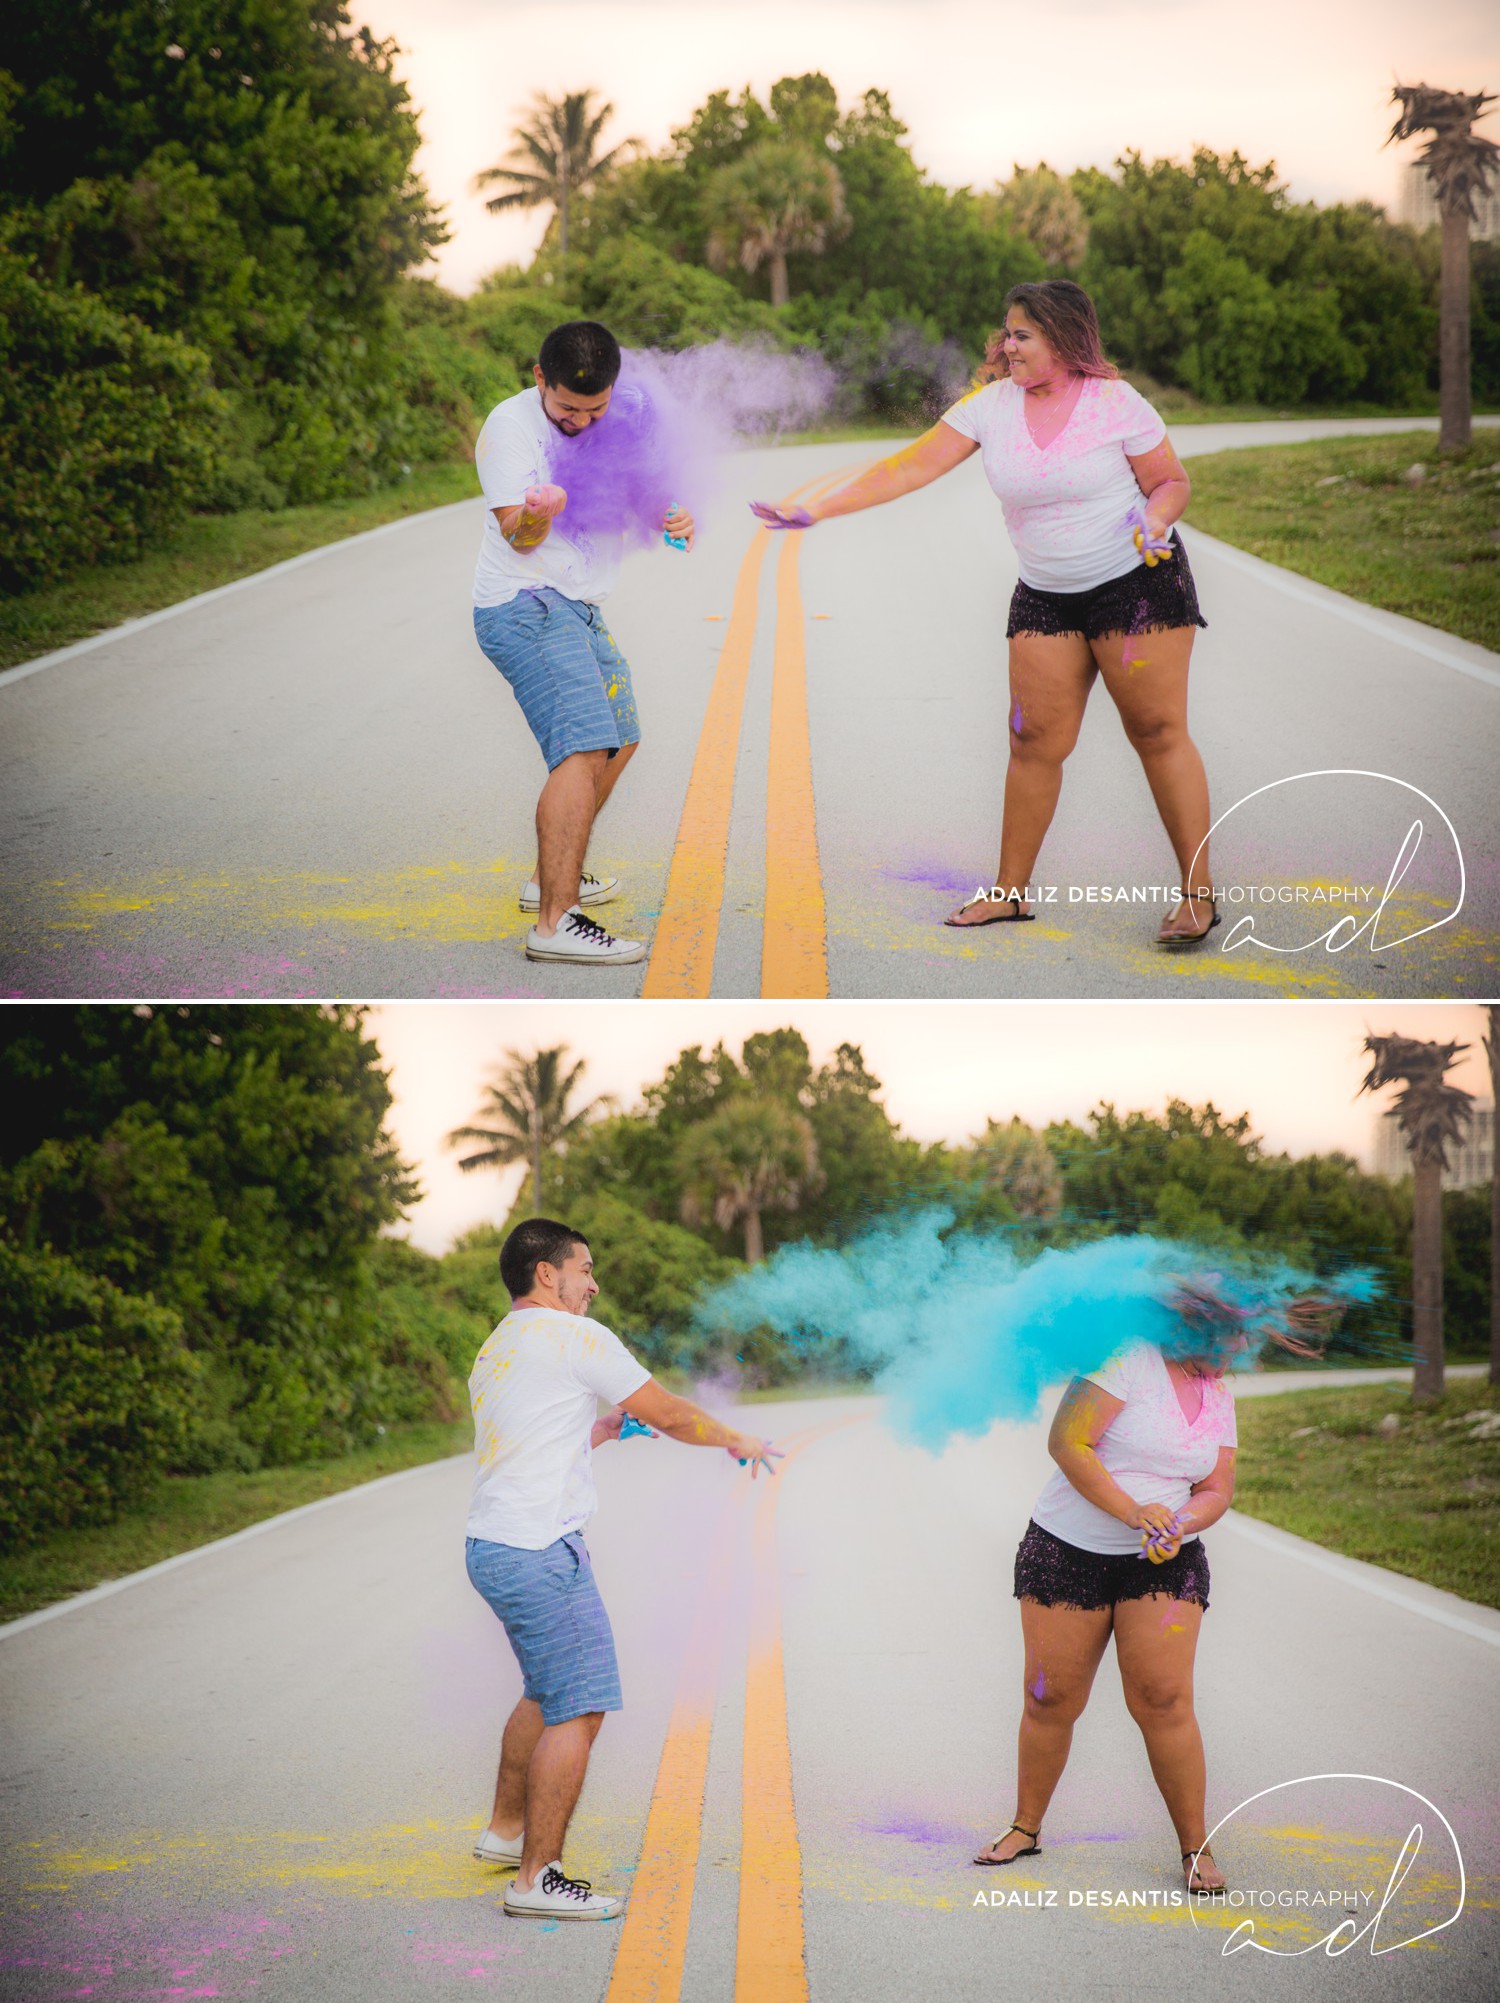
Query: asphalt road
{"points": [[313, 784], [256, 1775]]}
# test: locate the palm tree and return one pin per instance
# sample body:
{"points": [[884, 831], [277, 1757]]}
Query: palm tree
{"points": [[1432, 1113], [753, 1155], [1042, 206], [1014, 1159], [1492, 1051], [554, 156], [777, 198], [525, 1107], [1459, 165]]}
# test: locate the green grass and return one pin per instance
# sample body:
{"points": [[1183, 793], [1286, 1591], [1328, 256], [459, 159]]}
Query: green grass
{"points": [[1339, 512], [189, 1510], [1263, 500], [1425, 1502], [207, 551]]}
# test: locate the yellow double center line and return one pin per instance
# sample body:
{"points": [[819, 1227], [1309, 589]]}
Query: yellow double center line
{"points": [[770, 1957], [794, 958]]}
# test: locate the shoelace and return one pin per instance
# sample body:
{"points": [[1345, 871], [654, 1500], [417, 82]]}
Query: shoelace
{"points": [[589, 929], [553, 1881]]}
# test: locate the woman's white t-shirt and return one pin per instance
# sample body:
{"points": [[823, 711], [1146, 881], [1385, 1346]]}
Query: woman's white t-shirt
{"points": [[1066, 503], [535, 1388], [1150, 1449]]}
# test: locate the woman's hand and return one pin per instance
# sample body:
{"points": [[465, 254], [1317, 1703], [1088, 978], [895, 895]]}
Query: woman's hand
{"points": [[1149, 537], [781, 518], [1161, 1531]]}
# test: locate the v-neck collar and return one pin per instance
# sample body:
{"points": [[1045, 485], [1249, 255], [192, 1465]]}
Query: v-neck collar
{"points": [[1192, 1425], [1065, 426]]}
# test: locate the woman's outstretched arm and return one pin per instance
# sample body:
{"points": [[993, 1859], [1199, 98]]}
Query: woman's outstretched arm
{"points": [[936, 452]]}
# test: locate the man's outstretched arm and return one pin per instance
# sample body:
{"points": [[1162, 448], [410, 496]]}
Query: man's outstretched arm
{"points": [[680, 1419]]}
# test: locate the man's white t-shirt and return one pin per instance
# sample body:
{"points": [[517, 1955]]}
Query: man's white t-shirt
{"points": [[1149, 1448], [535, 1388], [1065, 503], [513, 453]]}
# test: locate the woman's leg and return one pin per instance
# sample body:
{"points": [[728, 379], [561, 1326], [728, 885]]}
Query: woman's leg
{"points": [[1147, 678], [1063, 1649], [1156, 1639], [1050, 678]]}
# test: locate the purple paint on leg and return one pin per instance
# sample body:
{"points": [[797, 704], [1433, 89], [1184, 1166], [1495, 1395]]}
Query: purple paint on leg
{"points": [[1015, 719], [1039, 1688]]}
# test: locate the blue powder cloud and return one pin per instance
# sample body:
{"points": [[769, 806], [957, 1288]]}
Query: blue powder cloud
{"points": [[960, 1332]]}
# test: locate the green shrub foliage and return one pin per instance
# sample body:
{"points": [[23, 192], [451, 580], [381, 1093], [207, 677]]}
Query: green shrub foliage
{"points": [[96, 1395], [109, 433]]}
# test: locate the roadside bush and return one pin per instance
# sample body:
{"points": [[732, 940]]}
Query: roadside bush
{"points": [[96, 1396], [109, 433]]}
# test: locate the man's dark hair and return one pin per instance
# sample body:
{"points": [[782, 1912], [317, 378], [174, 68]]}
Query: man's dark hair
{"points": [[580, 356], [539, 1241]]}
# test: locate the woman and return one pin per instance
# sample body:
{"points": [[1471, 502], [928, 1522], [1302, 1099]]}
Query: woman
{"points": [[1145, 1451], [1090, 487]]}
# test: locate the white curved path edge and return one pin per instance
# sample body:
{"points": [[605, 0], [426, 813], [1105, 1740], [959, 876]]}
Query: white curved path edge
{"points": [[1460, 654], [1447, 1609]]}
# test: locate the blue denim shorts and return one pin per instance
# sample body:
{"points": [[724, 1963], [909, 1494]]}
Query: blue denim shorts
{"points": [[564, 669], [555, 1621]]}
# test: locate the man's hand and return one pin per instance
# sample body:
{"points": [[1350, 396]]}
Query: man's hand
{"points": [[680, 526], [548, 501], [755, 1454], [607, 1426], [781, 518]]}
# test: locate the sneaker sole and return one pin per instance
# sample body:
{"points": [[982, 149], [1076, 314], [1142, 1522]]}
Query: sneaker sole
{"points": [[547, 1913], [535, 903], [587, 959], [505, 1863]]}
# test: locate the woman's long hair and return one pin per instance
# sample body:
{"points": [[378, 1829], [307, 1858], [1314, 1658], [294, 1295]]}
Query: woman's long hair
{"points": [[1065, 313]]}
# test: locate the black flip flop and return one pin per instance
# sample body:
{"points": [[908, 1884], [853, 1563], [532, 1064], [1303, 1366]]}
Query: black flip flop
{"points": [[1035, 1849], [1014, 917], [1174, 942], [1199, 1891]]}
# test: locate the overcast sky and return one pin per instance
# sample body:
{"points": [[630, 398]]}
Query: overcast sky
{"points": [[1074, 82], [1295, 1067]]}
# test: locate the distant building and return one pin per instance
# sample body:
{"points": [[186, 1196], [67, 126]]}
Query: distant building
{"points": [[1471, 1162], [1416, 203]]}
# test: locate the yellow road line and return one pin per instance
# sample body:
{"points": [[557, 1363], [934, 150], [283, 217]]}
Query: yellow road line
{"points": [[794, 947], [653, 1939], [687, 931], [794, 950], [771, 1950]]}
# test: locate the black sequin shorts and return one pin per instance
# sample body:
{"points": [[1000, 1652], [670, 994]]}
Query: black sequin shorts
{"points": [[1057, 1574], [1152, 598]]}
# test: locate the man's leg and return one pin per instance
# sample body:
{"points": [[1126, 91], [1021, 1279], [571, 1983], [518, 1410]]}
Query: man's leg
{"points": [[608, 778], [554, 1781], [564, 818], [522, 1730]]}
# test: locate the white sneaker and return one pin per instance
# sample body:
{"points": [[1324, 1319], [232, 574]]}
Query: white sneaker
{"points": [[591, 890], [493, 1849], [585, 941], [555, 1896]]}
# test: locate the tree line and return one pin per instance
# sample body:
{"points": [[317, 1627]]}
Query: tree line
{"points": [[198, 1266], [211, 234]]}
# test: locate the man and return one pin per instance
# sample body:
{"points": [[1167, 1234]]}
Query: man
{"points": [[534, 1388], [536, 615]]}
